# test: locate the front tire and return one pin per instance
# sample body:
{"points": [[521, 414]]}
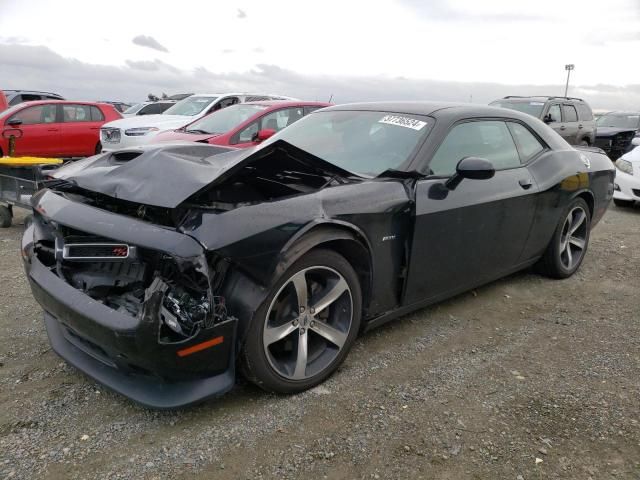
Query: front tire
{"points": [[569, 244], [306, 326]]}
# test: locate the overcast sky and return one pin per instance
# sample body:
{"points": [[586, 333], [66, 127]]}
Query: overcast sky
{"points": [[457, 50]]}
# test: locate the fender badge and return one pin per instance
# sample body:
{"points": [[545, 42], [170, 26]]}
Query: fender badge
{"points": [[388, 237]]}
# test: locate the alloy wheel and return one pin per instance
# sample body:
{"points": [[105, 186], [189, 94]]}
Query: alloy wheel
{"points": [[308, 323], [573, 239]]}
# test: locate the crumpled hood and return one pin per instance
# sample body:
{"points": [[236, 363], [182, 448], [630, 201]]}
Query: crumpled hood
{"points": [[611, 131], [163, 122], [165, 175]]}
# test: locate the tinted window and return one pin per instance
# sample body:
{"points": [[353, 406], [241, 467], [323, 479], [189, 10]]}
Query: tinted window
{"points": [[308, 110], [76, 113], [484, 139], [96, 114], [256, 98], [367, 143], [134, 108], [36, 114], [30, 97], [584, 112], [570, 114], [528, 145], [153, 108], [554, 114]]}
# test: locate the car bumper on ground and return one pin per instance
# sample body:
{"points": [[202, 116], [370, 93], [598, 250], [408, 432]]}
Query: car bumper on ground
{"points": [[627, 187], [123, 352]]}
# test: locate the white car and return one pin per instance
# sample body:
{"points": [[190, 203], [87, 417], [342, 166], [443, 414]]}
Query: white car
{"points": [[139, 130], [627, 184]]}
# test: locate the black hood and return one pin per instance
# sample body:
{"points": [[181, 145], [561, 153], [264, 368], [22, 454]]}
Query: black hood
{"points": [[611, 131], [167, 175]]}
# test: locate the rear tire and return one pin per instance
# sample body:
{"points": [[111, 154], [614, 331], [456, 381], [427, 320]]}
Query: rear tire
{"points": [[584, 143], [569, 243], [5, 216], [98, 148], [306, 326], [623, 203]]}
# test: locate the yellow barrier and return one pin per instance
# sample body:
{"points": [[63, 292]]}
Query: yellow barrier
{"points": [[28, 161]]}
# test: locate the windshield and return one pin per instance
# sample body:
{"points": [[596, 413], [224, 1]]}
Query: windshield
{"points": [[190, 106], [224, 120], [365, 143], [532, 108], [619, 121], [134, 108]]}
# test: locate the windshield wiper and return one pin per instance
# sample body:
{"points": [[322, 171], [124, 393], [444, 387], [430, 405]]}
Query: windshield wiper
{"points": [[195, 130]]}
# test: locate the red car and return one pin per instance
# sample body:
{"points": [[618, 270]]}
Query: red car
{"points": [[3, 101], [55, 128], [242, 125]]}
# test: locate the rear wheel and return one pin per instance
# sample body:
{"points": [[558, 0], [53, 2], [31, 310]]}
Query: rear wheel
{"points": [[306, 326], [623, 203], [568, 246], [98, 148], [584, 143]]}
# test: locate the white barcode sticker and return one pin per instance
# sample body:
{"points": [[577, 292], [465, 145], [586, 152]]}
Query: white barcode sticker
{"points": [[403, 122]]}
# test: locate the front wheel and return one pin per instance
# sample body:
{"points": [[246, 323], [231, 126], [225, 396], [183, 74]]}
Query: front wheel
{"points": [[306, 326], [568, 246]]}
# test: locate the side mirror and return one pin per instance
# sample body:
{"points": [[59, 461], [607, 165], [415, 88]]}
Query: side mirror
{"points": [[263, 134], [547, 118], [473, 168], [14, 122]]}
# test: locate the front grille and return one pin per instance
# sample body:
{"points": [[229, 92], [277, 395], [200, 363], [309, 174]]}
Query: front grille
{"points": [[110, 135]]}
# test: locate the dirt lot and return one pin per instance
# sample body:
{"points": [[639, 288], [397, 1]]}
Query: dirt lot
{"points": [[526, 378]]}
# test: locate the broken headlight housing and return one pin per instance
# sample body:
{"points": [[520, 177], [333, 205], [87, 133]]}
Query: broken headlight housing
{"points": [[183, 312]]}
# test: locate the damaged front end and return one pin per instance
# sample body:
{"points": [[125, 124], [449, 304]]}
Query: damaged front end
{"points": [[130, 303]]}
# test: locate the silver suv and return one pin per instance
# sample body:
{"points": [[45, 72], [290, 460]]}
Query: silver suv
{"points": [[571, 117]]}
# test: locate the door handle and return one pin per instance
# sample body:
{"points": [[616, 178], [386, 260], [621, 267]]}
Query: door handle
{"points": [[525, 183], [580, 126], [52, 130], [563, 127]]}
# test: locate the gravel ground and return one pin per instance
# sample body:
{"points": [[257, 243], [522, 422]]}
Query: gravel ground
{"points": [[526, 378]]}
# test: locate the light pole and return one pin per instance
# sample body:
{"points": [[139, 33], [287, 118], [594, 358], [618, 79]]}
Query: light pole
{"points": [[568, 68]]}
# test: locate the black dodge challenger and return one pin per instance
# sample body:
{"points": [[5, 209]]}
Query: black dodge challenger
{"points": [[163, 269]]}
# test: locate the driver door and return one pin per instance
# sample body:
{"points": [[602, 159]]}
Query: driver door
{"points": [[476, 232]]}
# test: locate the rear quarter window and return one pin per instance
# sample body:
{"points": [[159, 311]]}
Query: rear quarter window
{"points": [[584, 112], [96, 114]]}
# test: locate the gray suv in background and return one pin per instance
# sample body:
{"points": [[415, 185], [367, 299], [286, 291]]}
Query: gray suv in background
{"points": [[571, 117], [15, 97]]}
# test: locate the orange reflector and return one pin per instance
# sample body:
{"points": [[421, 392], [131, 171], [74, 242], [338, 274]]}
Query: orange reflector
{"points": [[200, 346]]}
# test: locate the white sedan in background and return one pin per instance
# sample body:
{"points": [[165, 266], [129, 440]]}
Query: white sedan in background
{"points": [[627, 184], [139, 130]]}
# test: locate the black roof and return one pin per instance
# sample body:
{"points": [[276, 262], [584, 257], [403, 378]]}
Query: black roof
{"points": [[429, 108]]}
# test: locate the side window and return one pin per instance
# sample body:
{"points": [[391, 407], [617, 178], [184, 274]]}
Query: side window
{"points": [[528, 145], [227, 102], [152, 109], [554, 114], [248, 133], [76, 113], [35, 115], [255, 98], [570, 114], [584, 112], [281, 118], [15, 100], [96, 114], [485, 139], [30, 97]]}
